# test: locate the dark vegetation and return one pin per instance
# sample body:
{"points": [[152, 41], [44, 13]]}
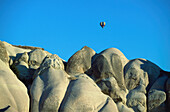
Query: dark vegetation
{"points": [[28, 47]]}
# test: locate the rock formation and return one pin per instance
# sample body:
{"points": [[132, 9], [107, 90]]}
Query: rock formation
{"points": [[34, 80], [14, 96]]}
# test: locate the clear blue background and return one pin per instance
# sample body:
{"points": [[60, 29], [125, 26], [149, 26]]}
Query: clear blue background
{"points": [[139, 28]]}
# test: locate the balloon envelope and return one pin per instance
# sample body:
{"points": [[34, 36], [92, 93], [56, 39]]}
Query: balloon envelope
{"points": [[102, 24]]}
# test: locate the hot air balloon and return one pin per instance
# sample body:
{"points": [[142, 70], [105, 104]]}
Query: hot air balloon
{"points": [[102, 24]]}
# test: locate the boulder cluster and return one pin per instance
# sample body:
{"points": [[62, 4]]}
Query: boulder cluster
{"points": [[34, 80]]}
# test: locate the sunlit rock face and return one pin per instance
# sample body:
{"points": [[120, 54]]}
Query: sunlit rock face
{"points": [[14, 95], [49, 85], [34, 80], [80, 62]]}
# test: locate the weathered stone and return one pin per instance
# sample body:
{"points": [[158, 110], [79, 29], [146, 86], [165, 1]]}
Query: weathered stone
{"points": [[109, 63], [50, 60], [159, 85], [3, 53], [110, 87], [152, 70], [22, 65], [54, 61], [13, 51], [13, 93], [136, 86], [137, 100], [135, 75], [136, 78], [83, 95], [124, 60], [123, 108], [155, 99], [109, 106], [35, 58], [49, 86], [80, 62], [147, 67]]}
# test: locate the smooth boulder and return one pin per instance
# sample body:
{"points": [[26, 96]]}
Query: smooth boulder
{"points": [[136, 99], [109, 63], [110, 87], [135, 75], [35, 58], [144, 67], [80, 62], [155, 101], [13, 51], [157, 95], [49, 86], [14, 96], [123, 108], [83, 95]]}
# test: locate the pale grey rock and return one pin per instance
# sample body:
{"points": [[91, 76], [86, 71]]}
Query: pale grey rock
{"points": [[110, 87], [140, 74], [124, 60], [155, 99], [10, 61], [135, 75], [110, 69], [123, 108], [13, 97], [54, 61], [107, 72], [109, 106], [83, 95], [50, 60], [158, 88], [109, 63], [13, 51], [3, 53], [144, 67], [22, 58], [136, 99], [35, 58], [22, 65], [49, 86], [141, 88], [80, 62]]}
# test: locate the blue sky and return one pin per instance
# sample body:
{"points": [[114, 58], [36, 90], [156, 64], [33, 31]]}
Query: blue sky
{"points": [[139, 28]]}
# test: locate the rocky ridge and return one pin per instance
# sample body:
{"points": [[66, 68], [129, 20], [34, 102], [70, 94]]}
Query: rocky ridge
{"points": [[34, 80]]}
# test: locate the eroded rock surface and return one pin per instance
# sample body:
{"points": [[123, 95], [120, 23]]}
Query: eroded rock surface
{"points": [[107, 67], [3, 53], [13, 93], [49, 86], [80, 62], [110, 87], [123, 108], [35, 58], [107, 64], [157, 95], [83, 95], [136, 99], [155, 99], [32, 78]]}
